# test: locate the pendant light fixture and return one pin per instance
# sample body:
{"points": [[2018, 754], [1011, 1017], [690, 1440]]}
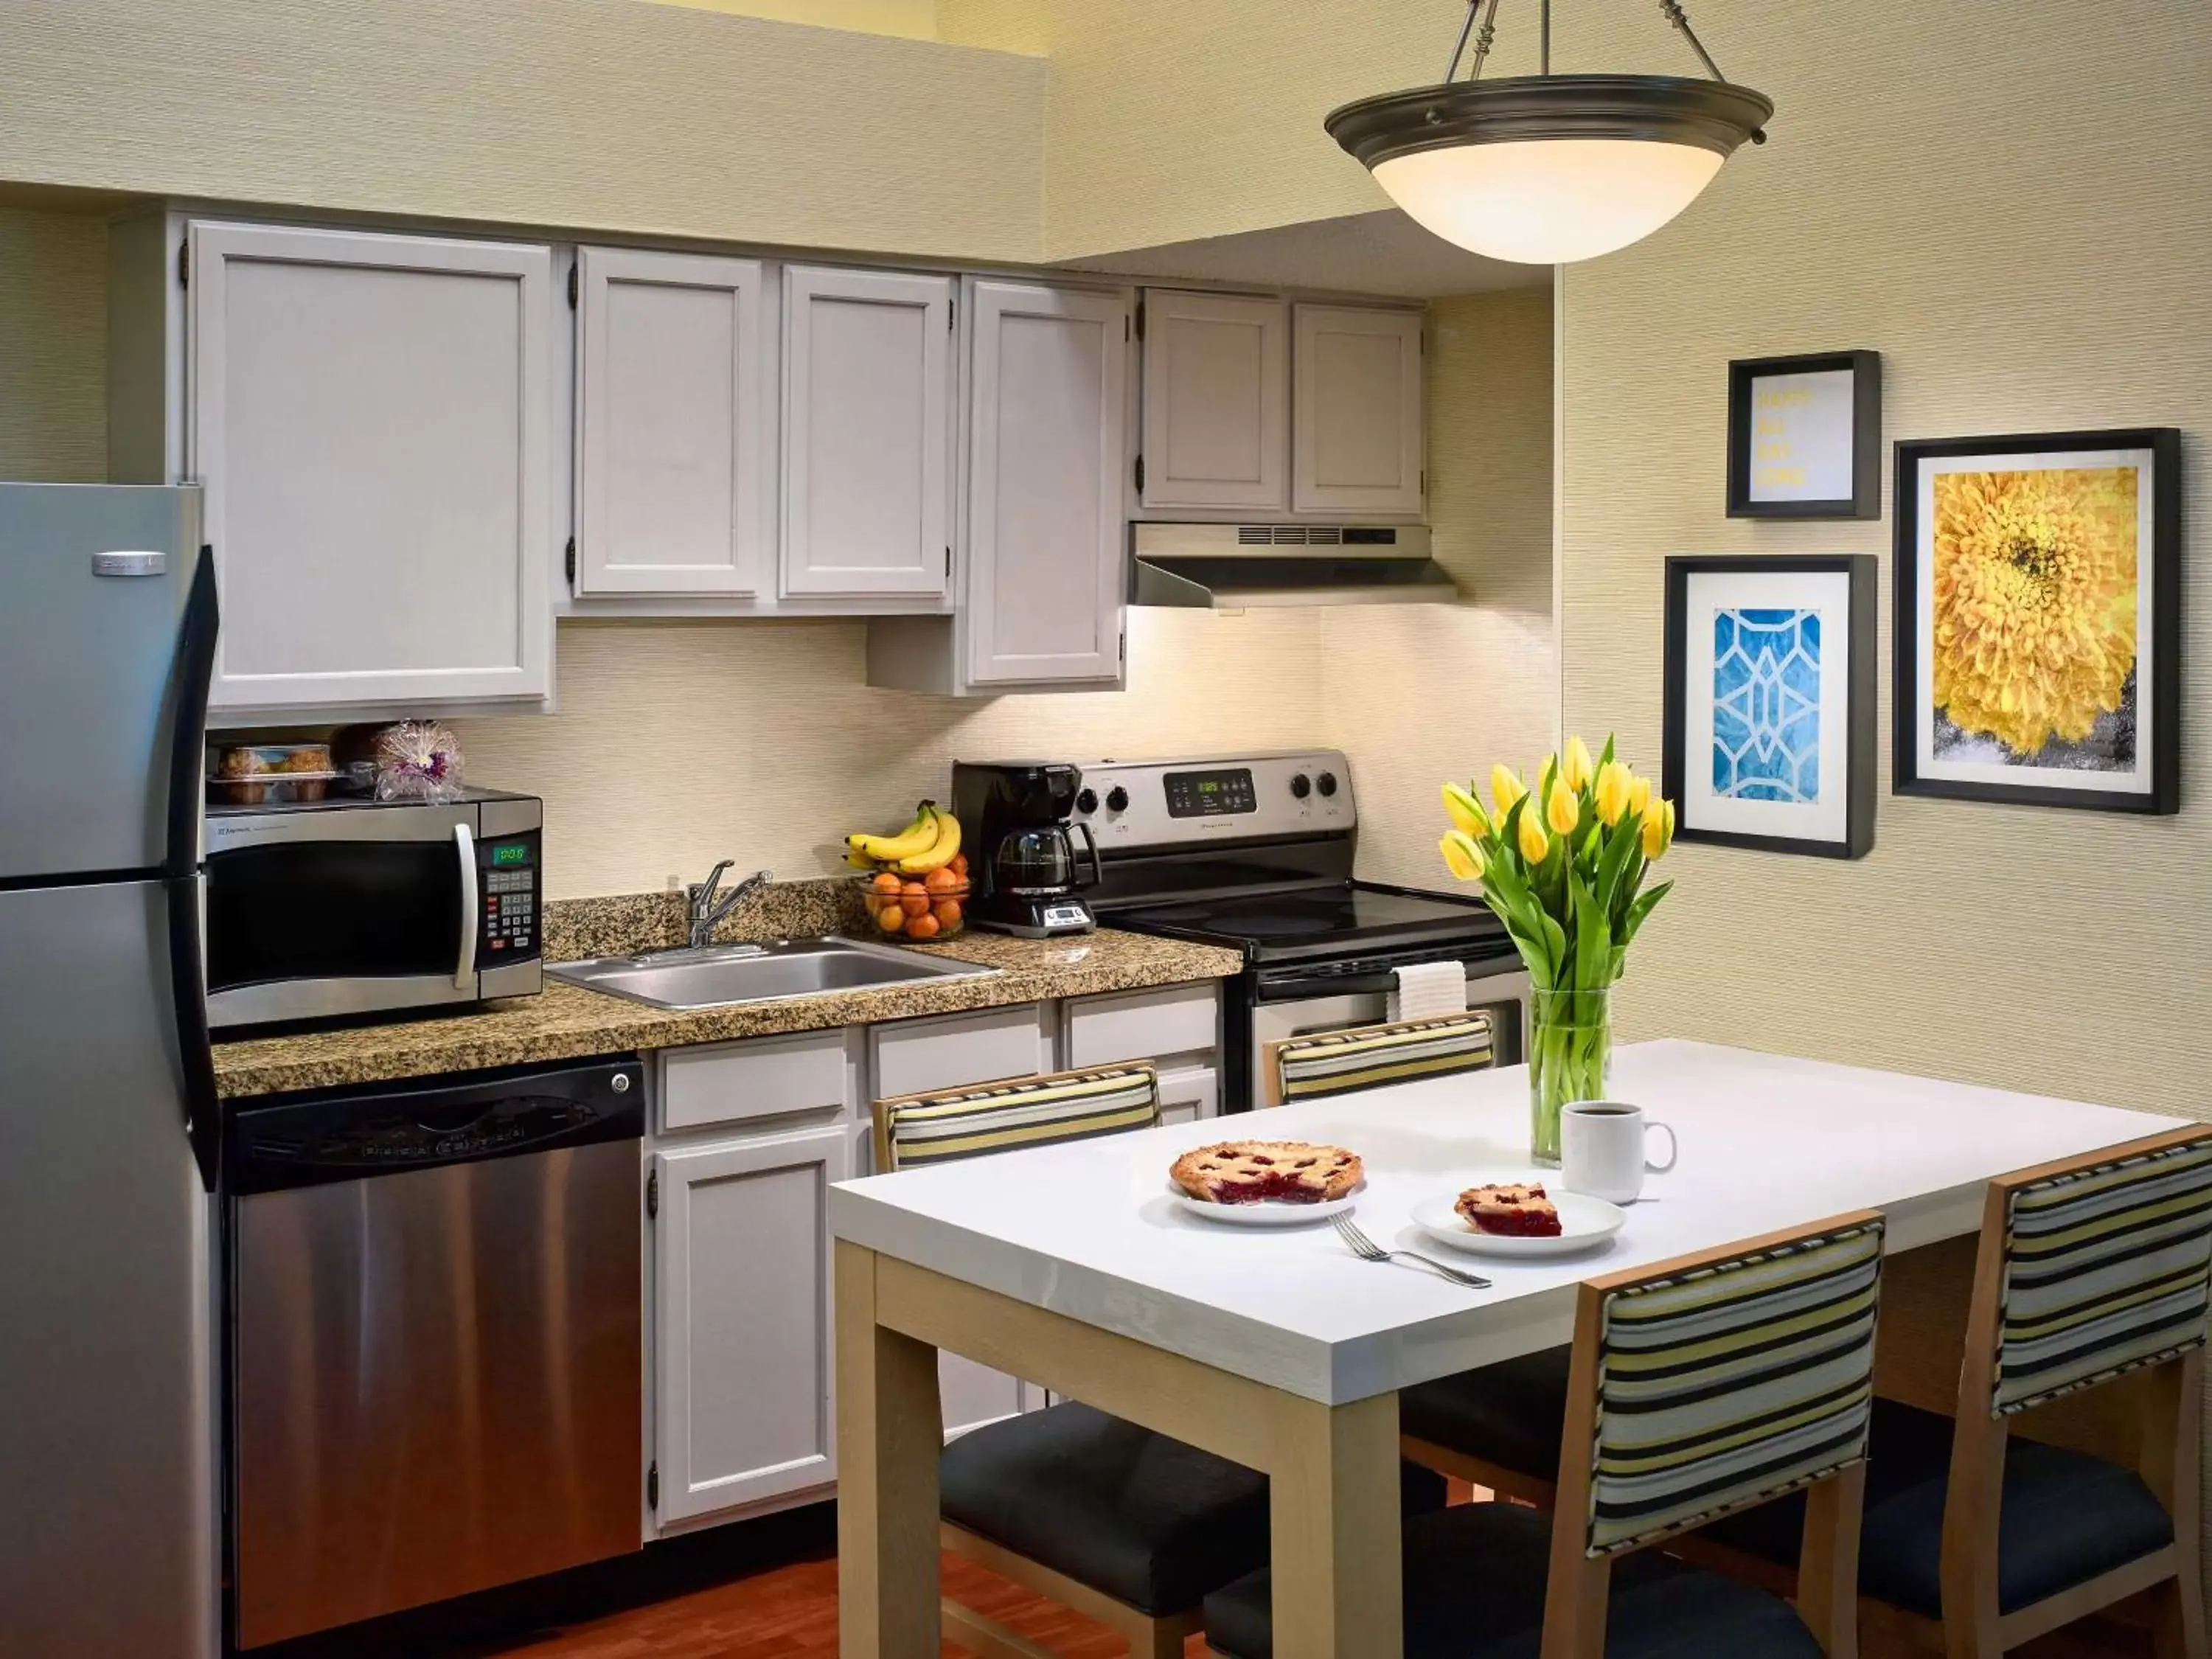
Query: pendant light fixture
{"points": [[1545, 168]]}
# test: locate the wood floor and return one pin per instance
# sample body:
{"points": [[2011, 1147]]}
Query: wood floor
{"points": [[767, 1589]]}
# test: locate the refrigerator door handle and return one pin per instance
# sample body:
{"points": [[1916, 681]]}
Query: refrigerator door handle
{"points": [[465, 971], [195, 669], [188, 989]]}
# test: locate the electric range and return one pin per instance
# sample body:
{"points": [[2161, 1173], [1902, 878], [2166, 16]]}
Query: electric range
{"points": [[1254, 853]]}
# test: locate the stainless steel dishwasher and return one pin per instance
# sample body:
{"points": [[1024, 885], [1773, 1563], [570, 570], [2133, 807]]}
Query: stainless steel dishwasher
{"points": [[435, 1327]]}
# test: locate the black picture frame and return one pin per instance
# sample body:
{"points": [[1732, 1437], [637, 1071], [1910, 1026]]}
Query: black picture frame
{"points": [[1861, 678], [1865, 499], [2164, 795]]}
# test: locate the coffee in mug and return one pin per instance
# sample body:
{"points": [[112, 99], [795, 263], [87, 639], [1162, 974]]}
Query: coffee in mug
{"points": [[1603, 1150]]}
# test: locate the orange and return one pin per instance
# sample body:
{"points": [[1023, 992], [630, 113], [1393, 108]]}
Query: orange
{"points": [[886, 883], [941, 879], [890, 918], [921, 927], [946, 913]]}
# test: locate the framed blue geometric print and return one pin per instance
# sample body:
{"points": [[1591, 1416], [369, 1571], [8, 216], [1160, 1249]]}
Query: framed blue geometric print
{"points": [[1770, 703]]}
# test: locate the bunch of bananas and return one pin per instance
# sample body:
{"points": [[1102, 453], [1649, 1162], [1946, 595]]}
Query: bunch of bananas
{"points": [[919, 877], [930, 842]]}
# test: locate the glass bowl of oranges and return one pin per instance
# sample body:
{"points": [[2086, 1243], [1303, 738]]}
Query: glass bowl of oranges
{"points": [[919, 909]]}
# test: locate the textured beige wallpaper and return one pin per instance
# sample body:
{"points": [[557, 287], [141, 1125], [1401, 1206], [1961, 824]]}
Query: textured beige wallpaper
{"points": [[1417, 694], [602, 114], [1023, 25], [53, 347], [2004, 212], [911, 20], [677, 744]]}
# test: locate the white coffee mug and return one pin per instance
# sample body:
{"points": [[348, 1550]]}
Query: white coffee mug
{"points": [[1603, 1152]]}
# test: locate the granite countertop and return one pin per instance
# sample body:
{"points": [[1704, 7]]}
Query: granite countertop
{"points": [[566, 1022]]}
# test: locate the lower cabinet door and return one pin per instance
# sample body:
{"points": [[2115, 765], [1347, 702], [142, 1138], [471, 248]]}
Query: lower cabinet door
{"points": [[744, 1319]]}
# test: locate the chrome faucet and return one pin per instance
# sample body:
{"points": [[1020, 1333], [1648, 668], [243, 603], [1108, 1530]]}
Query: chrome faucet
{"points": [[703, 912]]}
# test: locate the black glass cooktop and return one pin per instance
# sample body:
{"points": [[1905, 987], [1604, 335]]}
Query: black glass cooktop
{"points": [[1354, 915]]}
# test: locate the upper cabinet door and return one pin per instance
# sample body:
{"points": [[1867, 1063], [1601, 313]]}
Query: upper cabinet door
{"points": [[1357, 438], [673, 423], [1049, 415], [867, 410], [1217, 402], [372, 418]]}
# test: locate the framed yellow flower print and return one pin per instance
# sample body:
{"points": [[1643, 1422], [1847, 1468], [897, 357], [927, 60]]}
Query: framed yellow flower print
{"points": [[2037, 650]]}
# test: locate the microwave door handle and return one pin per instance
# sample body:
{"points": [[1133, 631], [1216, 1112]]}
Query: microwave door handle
{"points": [[464, 972]]}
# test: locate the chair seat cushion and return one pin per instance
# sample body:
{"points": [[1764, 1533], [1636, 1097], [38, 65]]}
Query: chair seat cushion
{"points": [[1147, 1520], [1474, 1589], [2066, 1517], [1510, 1413]]}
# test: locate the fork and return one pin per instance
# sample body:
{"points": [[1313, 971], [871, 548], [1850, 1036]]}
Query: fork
{"points": [[1368, 1250]]}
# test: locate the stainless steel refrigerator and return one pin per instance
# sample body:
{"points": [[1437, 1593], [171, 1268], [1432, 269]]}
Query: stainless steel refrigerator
{"points": [[108, 1114]]}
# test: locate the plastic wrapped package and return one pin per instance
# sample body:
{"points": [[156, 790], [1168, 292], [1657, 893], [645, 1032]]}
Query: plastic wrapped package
{"points": [[270, 774], [409, 760]]}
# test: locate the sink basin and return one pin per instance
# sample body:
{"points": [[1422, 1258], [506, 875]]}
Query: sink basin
{"points": [[718, 976]]}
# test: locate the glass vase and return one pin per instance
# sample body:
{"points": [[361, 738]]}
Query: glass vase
{"points": [[1569, 1051]]}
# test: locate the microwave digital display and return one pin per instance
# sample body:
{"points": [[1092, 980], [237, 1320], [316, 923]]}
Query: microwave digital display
{"points": [[510, 854]]}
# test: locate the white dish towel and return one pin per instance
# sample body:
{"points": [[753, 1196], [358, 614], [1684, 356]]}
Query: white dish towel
{"points": [[1427, 989]]}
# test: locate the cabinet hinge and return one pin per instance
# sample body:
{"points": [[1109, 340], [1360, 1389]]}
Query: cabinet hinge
{"points": [[1125, 328], [184, 264], [948, 564], [652, 1193], [1121, 647], [952, 315], [652, 1486], [1141, 475], [572, 288], [1424, 481], [1140, 318], [568, 561]]}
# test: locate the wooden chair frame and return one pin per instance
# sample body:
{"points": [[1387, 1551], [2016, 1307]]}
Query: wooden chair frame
{"points": [[1271, 1064], [1149, 1636], [1579, 1584]]}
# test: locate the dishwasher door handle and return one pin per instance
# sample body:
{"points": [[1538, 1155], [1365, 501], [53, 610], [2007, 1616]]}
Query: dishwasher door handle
{"points": [[465, 971]]}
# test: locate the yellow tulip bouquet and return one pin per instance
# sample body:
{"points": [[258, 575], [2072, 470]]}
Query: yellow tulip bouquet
{"points": [[1565, 870]]}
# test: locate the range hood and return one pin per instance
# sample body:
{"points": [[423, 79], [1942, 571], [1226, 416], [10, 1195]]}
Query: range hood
{"points": [[1232, 566]]}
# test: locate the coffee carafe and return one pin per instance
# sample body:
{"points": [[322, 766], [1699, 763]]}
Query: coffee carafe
{"points": [[1025, 865]]}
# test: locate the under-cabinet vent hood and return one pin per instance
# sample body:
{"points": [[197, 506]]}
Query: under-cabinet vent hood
{"points": [[1229, 567]]}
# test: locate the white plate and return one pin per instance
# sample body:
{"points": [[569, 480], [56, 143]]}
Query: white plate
{"points": [[1583, 1222], [1268, 1212]]}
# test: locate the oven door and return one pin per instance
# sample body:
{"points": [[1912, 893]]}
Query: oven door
{"points": [[358, 910], [1293, 1001]]}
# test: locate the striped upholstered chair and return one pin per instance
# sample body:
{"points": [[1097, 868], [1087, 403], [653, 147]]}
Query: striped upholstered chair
{"points": [[2067, 1479], [1125, 1526], [1369, 1056], [1699, 1388]]}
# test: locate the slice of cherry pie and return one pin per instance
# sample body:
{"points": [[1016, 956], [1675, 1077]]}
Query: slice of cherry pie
{"points": [[1262, 1171], [1511, 1210]]}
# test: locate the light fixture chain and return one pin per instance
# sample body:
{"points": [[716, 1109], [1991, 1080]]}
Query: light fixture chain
{"points": [[1544, 46], [1483, 40], [1680, 20], [1460, 46]]}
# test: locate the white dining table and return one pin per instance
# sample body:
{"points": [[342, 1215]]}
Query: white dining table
{"points": [[1075, 1268]]}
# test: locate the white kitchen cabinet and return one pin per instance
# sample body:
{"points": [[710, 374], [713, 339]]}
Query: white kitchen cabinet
{"points": [[1217, 402], [1154, 1024], [1047, 426], [725, 1083], [372, 416], [867, 426], [1356, 441], [1190, 1093], [675, 423], [744, 1319]]}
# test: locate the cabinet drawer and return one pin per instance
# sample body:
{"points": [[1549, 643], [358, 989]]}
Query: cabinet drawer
{"points": [[1173, 1019], [1189, 1093], [915, 1055], [768, 1077]]}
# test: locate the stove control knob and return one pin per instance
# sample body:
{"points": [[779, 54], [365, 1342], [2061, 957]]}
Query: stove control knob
{"points": [[1301, 785], [1086, 801], [1327, 782], [1117, 799]]}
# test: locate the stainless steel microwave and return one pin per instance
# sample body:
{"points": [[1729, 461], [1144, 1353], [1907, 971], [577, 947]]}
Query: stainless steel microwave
{"points": [[351, 907]]}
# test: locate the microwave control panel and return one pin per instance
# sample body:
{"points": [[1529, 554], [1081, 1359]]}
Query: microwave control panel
{"points": [[507, 877]]}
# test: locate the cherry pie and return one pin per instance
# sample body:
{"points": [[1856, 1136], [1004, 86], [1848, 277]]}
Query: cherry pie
{"points": [[1258, 1171], [1511, 1210]]}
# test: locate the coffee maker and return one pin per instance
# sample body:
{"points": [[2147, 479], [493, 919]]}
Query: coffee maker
{"points": [[1023, 866]]}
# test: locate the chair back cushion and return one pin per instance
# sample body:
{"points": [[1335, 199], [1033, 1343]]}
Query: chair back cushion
{"points": [[1030, 1111], [1369, 1056], [1732, 1383], [2106, 1271]]}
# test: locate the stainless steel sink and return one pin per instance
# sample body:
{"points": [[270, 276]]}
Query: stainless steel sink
{"points": [[718, 976]]}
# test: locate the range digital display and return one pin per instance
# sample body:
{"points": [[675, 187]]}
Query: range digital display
{"points": [[1211, 794]]}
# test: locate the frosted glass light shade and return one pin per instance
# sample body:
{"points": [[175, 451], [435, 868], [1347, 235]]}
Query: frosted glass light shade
{"points": [[1548, 201]]}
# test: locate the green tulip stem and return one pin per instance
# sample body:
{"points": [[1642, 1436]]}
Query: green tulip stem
{"points": [[1570, 1047]]}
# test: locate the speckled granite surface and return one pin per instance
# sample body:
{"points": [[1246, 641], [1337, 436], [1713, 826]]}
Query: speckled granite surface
{"points": [[567, 1023], [576, 928]]}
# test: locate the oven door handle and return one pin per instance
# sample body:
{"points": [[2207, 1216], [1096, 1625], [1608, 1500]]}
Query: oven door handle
{"points": [[465, 971]]}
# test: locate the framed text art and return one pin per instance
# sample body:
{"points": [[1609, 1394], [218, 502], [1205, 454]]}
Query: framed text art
{"points": [[2038, 619], [1805, 436], [1770, 701]]}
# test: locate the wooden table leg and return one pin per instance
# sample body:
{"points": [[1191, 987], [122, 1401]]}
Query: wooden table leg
{"points": [[889, 1436], [1334, 1510]]}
